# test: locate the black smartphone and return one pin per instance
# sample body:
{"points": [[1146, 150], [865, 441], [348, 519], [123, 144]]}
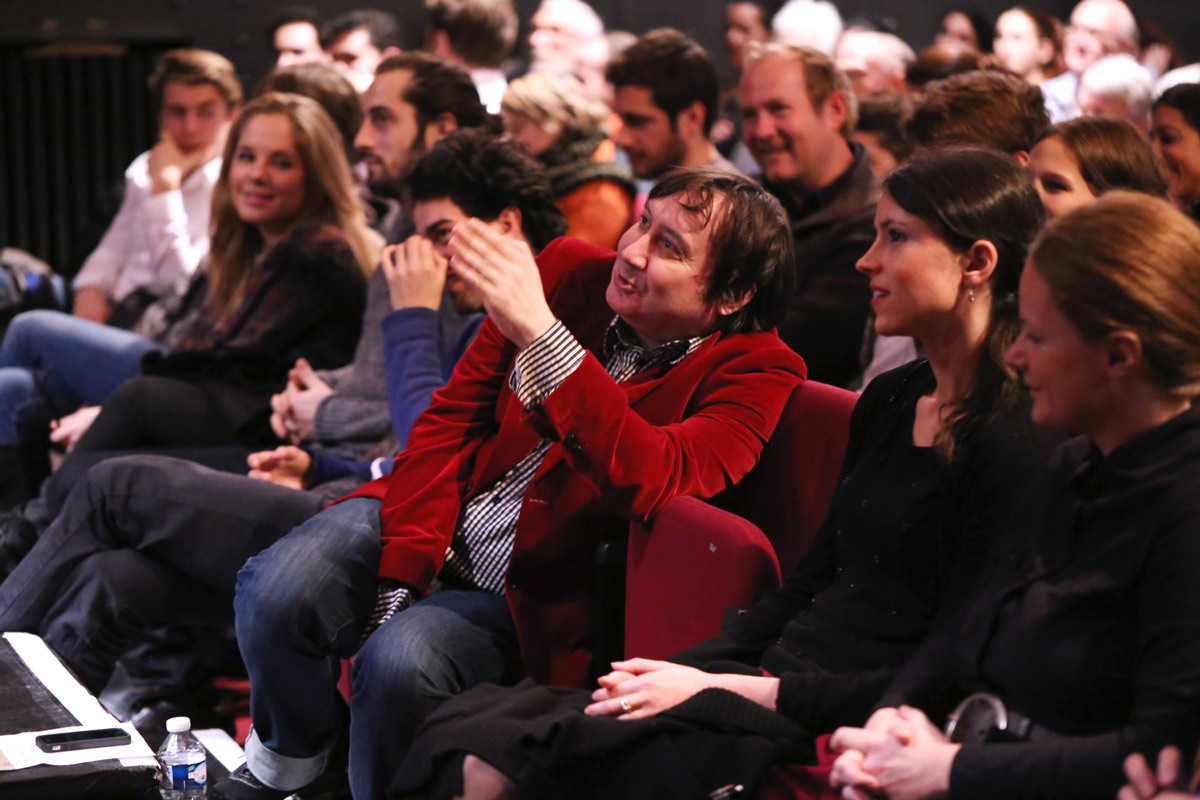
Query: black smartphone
{"points": [[81, 740]]}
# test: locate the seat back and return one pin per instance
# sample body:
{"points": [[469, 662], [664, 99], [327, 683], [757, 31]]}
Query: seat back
{"points": [[694, 558], [788, 491]]}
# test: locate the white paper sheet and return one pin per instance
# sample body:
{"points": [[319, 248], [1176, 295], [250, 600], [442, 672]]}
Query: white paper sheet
{"points": [[18, 750]]}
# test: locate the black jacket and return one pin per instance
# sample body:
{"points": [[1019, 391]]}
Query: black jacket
{"points": [[1087, 622]]}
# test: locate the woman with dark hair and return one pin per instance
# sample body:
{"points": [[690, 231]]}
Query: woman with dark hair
{"points": [[1075, 162], [285, 278], [938, 449], [1081, 641], [967, 27], [1175, 133]]}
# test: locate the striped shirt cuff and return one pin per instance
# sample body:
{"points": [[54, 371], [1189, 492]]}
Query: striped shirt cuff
{"points": [[544, 364], [393, 598]]}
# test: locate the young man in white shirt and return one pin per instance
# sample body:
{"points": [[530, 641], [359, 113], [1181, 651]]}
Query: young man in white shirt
{"points": [[160, 234]]}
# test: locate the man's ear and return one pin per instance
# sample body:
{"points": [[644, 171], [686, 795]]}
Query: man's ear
{"points": [[389, 51], [438, 43], [439, 128], [727, 307], [509, 223], [690, 121], [835, 110], [1021, 157]]}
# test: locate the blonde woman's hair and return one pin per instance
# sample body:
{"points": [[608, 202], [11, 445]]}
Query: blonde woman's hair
{"points": [[329, 199], [1130, 262], [555, 100]]}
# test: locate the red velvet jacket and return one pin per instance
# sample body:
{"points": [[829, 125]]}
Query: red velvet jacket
{"points": [[621, 452]]}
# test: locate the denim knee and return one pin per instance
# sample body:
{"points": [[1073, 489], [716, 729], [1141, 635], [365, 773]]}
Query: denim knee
{"points": [[23, 331], [316, 585], [22, 407]]}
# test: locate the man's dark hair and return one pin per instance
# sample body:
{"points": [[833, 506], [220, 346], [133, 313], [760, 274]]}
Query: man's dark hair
{"points": [[481, 32], [326, 85], [749, 243], [885, 114], [438, 87], [382, 27], [294, 14], [675, 69], [985, 107], [483, 175]]}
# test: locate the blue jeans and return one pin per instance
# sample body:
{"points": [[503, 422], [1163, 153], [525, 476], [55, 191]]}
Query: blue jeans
{"points": [[303, 604], [51, 363]]}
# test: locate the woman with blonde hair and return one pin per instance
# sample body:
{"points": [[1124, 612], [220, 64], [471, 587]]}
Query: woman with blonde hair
{"points": [[1079, 644], [560, 124], [285, 279]]}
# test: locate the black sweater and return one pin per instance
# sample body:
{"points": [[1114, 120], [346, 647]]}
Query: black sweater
{"points": [[1087, 621]]}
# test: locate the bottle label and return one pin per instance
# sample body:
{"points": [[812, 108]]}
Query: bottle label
{"points": [[188, 776]]}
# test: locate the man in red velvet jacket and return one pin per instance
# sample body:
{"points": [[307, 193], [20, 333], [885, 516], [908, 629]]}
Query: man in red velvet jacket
{"points": [[597, 390]]}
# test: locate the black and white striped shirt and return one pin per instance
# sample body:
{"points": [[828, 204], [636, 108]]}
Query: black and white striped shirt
{"points": [[482, 543]]}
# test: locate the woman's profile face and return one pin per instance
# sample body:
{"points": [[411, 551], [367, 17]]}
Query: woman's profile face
{"points": [[1056, 176], [1177, 146], [916, 278], [267, 177], [1061, 369]]}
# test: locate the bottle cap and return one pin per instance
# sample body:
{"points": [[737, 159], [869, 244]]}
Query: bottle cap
{"points": [[179, 724]]}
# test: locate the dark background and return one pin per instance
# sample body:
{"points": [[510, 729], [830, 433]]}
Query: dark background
{"points": [[67, 129]]}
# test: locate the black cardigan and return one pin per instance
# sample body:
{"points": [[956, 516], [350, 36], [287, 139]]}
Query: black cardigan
{"points": [[906, 535]]}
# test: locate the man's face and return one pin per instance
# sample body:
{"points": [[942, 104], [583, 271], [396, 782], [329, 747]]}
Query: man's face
{"points": [[552, 40], [791, 141], [661, 272], [1091, 35], [389, 139], [857, 56], [194, 116], [356, 57], [743, 24], [435, 220], [1092, 104], [647, 134], [297, 43]]}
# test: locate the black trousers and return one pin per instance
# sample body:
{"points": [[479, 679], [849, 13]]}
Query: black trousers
{"points": [[142, 542], [152, 411]]}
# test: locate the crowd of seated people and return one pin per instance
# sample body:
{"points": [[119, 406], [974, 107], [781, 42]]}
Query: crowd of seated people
{"points": [[369, 367]]}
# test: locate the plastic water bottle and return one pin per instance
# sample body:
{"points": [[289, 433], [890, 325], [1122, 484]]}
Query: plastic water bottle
{"points": [[183, 766]]}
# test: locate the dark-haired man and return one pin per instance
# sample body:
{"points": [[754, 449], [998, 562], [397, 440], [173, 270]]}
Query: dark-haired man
{"points": [[414, 101], [359, 40], [665, 92], [601, 386], [296, 38]]}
